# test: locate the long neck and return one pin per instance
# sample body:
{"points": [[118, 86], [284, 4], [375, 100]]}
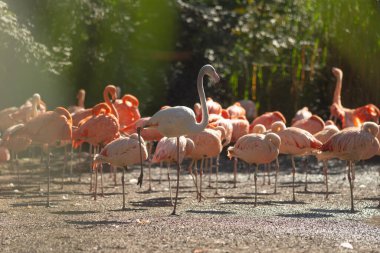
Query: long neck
{"points": [[106, 94], [81, 100], [202, 97], [34, 108], [338, 89]]}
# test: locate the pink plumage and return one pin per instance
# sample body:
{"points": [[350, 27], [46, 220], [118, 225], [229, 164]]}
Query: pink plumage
{"points": [[166, 149], [239, 128], [313, 125], [267, 119]]}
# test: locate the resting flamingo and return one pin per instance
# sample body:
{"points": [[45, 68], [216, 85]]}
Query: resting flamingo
{"points": [[213, 107], [128, 110], [295, 142], [207, 144], [47, 129], [303, 113], [350, 117], [257, 149], [353, 144], [166, 151], [236, 111], [122, 152], [323, 136], [267, 119], [180, 120], [249, 107], [240, 127]]}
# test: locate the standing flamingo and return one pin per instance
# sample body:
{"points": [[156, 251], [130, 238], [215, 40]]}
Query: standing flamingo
{"points": [[128, 110], [350, 117], [80, 106], [180, 120], [30, 109], [295, 142], [240, 128], [353, 144], [257, 149], [47, 129], [122, 152], [323, 136], [166, 151], [207, 144]]}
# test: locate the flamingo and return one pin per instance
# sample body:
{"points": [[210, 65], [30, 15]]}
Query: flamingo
{"points": [[6, 120], [350, 117], [122, 152], [303, 113], [323, 136], [353, 144], [4, 154], [166, 151], [249, 107], [80, 106], [99, 129], [313, 125], [128, 110], [295, 142], [47, 129], [207, 144], [212, 108], [236, 111], [240, 128], [30, 109], [150, 135], [257, 149], [267, 119], [180, 120]]}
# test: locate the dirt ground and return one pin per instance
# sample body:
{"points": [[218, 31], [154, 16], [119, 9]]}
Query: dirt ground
{"points": [[227, 222]]}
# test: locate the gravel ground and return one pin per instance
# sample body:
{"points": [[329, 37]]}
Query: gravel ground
{"points": [[227, 222]]}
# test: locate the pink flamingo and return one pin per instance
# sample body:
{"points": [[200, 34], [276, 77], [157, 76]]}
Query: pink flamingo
{"points": [[80, 106], [303, 113], [207, 144], [128, 110], [257, 149], [350, 117], [47, 129], [323, 136], [166, 151], [30, 109], [240, 128], [267, 119], [236, 111], [212, 108], [150, 135], [353, 144], [99, 129], [313, 125], [122, 152], [295, 142], [180, 120], [249, 107], [6, 120], [4, 154]]}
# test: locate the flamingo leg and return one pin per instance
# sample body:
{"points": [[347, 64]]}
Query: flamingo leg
{"points": [[170, 187], [294, 173], [101, 179], [349, 171], [140, 179], [255, 179], [269, 167], [64, 167], [275, 179], [200, 180], [325, 172], [160, 178], [190, 170], [306, 169], [235, 170], [123, 185], [178, 171], [210, 171], [48, 188], [265, 169], [149, 167], [217, 175], [92, 168]]}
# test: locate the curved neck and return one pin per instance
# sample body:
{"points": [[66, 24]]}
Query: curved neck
{"points": [[202, 97], [338, 88], [81, 100], [106, 95]]}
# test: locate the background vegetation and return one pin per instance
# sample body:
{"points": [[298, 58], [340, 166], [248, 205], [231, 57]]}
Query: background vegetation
{"points": [[277, 52]]}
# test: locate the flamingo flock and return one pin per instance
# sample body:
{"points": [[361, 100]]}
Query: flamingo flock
{"points": [[119, 136]]}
